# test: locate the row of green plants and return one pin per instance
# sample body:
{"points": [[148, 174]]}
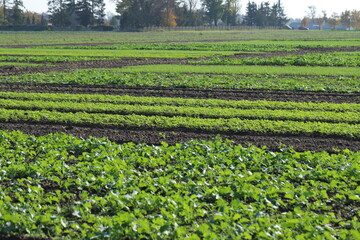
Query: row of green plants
{"points": [[242, 46], [61, 37], [61, 187], [230, 125], [18, 64], [192, 46], [349, 59], [125, 53], [137, 76], [180, 102], [284, 74], [45, 59], [185, 111]]}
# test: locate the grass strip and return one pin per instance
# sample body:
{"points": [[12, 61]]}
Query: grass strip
{"points": [[288, 70], [239, 46], [332, 38]]}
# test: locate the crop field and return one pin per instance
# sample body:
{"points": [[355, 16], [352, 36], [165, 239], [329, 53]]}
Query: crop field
{"points": [[180, 135]]}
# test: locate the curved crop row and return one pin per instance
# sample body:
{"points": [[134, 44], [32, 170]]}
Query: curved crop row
{"points": [[203, 77], [191, 46], [159, 101], [202, 112], [41, 59], [313, 59], [234, 125]]}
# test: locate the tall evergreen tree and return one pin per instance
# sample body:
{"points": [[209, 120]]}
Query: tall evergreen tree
{"points": [[98, 10], [345, 19], [61, 12], [141, 13], [250, 18], [43, 20], [188, 14], [231, 10], [214, 10], [84, 13], [90, 12], [5, 7], [17, 16], [279, 17], [265, 15]]}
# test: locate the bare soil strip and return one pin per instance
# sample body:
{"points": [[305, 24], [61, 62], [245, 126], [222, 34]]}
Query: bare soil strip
{"points": [[197, 93], [65, 66], [273, 142]]}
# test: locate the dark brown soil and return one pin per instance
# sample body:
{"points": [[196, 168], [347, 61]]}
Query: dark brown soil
{"points": [[229, 94], [154, 136], [273, 142], [61, 66]]}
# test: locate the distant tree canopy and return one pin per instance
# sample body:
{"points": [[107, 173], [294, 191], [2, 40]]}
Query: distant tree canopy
{"points": [[140, 13], [12, 12], [214, 10], [145, 13], [76, 12], [265, 14], [133, 14]]}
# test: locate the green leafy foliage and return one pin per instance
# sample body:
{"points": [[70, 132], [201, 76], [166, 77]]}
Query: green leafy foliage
{"points": [[62, 187], [244, 110], [186, 102], [123, 53], [256, 78], [230, 125], [239, 46], [314, 59], [36, 59], [192, 46]]}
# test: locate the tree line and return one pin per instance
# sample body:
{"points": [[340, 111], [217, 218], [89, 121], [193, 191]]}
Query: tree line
{"points": [[81, 12], [348, 19], [146, 13], [265, 14], [167, 13], [61, 13], [12, 13], [171, 13]]}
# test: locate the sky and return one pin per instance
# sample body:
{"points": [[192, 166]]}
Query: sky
{"points": [[40, 6], [293, 8]]}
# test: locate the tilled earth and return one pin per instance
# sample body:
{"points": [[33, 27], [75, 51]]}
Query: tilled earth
{"points": [[155, 136], [227, 94]]}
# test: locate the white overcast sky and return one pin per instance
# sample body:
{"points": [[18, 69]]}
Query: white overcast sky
{"points": [[293, 8]]}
